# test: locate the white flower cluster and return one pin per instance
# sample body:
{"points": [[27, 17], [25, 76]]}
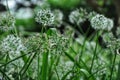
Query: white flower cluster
{"points": [[78, 16], [12, 44], [58, 17], [45, 17], [100, 22], [7, 22]]}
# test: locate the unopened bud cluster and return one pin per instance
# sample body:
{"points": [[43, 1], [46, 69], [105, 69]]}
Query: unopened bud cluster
{"points": [[114, 43], [107, 37], [58, 42], [7, 22], [78, 16], [55, 43], [91, 15], [58, 18]]}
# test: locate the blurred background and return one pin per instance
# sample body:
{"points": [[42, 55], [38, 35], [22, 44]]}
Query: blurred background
{"points": [[24, 10]]}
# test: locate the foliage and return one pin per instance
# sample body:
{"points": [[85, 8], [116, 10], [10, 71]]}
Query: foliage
{"points": [[53, 53]]}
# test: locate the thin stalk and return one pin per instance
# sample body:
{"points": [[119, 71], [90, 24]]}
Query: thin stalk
{"points": [[83, 46], [57, 74], [25, 64], [113, 64], [29, 63], [79, 58], [118, 72], [52, 61], [38, 67], [92, 75], [80, 29], [95, 51], [15, 29], [6, 60], [13, 60]]}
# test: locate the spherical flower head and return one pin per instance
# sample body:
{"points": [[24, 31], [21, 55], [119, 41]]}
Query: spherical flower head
{"points": [[78, 16], [12, 44], [45, 17], [7, 22], [100, 22], [58, 18]]}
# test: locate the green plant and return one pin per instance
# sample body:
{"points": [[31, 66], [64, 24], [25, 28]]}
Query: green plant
{"points": [[51, 55]]}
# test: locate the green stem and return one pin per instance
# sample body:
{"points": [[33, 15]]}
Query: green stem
{"points": [[16, 32], [113, 64], [38, 66], [45, 60], [83, 46], [57, 74], [27, 66], [95, 51], [13, 60], [44, 66]]}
